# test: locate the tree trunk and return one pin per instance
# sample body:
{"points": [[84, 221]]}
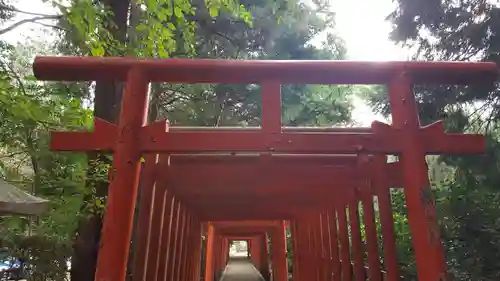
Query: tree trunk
{"points": [[106, 106]]}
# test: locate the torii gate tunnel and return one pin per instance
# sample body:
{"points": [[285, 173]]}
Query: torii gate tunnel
{"points": [[251, 183]]}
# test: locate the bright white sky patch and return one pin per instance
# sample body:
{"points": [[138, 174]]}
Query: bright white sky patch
{"points": [[362, 25]]}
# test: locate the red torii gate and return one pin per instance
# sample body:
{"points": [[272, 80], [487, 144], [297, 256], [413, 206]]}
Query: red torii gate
{"points": [[256, 232], [131, 137]]}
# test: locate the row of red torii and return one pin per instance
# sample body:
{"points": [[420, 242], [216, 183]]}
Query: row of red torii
{"points": [[248, 183]]}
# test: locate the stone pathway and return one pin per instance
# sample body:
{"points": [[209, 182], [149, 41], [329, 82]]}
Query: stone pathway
{"points": [[241, 270]]}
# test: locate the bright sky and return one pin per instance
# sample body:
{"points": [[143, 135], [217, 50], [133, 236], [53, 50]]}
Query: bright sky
{"points": [[360, 23]]}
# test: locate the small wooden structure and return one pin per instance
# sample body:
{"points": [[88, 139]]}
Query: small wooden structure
{"points": [[315, 178], [14, 201]]}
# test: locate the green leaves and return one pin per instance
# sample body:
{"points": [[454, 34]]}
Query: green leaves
{"points": [[213, 11], [28, 110], [89, 22], [178, 12]]}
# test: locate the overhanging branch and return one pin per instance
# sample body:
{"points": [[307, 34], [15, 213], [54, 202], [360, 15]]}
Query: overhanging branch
{"points": [[31, 20], [12, 9]]}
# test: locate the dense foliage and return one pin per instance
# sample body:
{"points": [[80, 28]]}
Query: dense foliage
{"points": [[467, 188]]}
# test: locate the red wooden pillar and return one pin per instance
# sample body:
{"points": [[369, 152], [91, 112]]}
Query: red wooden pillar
{"points": [[325, 247], [177, 241], [210, 253], [165, 249], [429, 252], [345, 251], [191, 247], [249, 252], [197, 245], [156, 233], [381, 186], [174, 236], [122, 194], [334, 245], [318, 247], [279, 262], [311, 264], [183, 246], [303, 246], [218, 255], [144, 221], [357, 244], [313, 242], [322, 250], [367, 192], [189, 244], [225, 252], [295, 251], [195, 239], [180, 236], [249, 249], [217, 246], [255, 250], [264, 270], [256, 254]]}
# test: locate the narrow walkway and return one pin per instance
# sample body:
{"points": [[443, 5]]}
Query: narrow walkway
{"points": [[240, 269]]}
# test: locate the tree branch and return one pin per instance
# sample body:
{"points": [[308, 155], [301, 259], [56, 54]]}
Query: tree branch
{"points": [[8, 68], [31, 20], [12, 9], [10, 155], [51, 26]]}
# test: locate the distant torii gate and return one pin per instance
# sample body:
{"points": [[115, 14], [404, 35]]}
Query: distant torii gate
{"points": [[178, 249], [256, 232]]}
